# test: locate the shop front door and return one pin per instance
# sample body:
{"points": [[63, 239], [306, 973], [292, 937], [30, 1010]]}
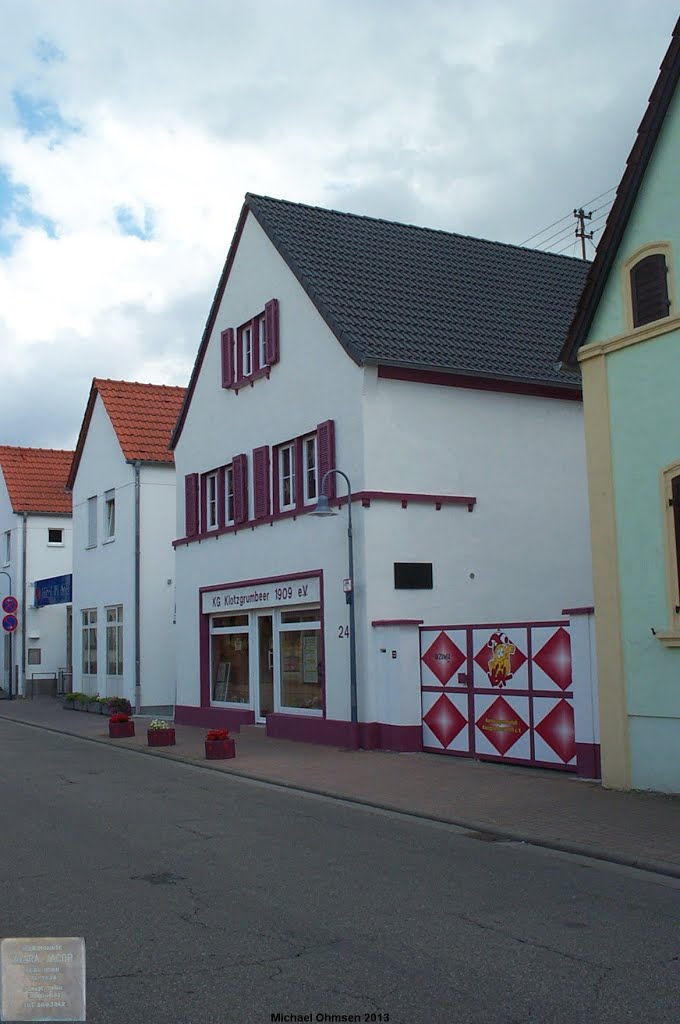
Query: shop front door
{"points": [[264, 688]]}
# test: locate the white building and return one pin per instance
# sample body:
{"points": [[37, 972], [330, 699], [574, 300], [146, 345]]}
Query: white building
{"points": [[421, 364], [123, 484], [35, 546]]}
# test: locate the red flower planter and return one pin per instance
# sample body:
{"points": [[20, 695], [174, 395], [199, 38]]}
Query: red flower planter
{"points": [[121, 730], [160, 737], [219, 750]]}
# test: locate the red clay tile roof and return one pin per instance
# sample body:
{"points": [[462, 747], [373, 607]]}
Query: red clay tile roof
{"points": [[143, 417], [36, 478]]}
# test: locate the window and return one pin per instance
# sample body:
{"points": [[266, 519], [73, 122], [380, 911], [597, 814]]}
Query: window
{"points": [[34, 655], [89, 641], [649, 289], [286, 476], [55, 536], [252, 349], [309, 461], [114, 640], [211, 502], [230, 656], [413, 575], [92, 522], [109, 515], [300, 660], [229, 494], [7, 547]]}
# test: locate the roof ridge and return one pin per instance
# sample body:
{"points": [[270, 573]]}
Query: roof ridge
{"points": [[138, 383], [31, 448], [412, 227]]}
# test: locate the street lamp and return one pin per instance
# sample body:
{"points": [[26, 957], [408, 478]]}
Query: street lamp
{"points": [[3, 572], [323, 509]]}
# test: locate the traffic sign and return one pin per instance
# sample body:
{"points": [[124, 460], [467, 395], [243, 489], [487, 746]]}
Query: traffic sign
{"points": [[9, 604], [10, 623]]}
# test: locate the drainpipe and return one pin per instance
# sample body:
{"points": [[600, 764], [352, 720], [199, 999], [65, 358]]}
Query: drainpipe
{"points": [[138, 679], [23, 602]]}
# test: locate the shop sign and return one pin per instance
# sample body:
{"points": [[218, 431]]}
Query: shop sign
{"points": [[272, 594]]}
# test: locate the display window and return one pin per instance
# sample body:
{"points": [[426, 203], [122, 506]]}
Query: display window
{"points": [[269, 660]]}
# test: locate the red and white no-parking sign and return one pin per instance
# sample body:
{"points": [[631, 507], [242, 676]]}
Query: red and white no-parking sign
{"points": [[9, 604]]}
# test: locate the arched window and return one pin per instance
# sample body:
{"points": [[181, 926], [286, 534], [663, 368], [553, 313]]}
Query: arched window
{"points": [[649, 289]]}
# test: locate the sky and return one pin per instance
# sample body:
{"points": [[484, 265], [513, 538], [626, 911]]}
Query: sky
{"points": [[130, 133]]}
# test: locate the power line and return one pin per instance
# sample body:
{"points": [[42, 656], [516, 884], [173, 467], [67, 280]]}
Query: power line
{"points": [[566, 216], [567, 234]]}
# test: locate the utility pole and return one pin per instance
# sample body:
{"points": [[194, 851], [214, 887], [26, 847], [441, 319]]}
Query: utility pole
{"points": [[580, 231]]}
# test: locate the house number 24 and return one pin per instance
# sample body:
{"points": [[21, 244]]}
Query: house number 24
{"points": [[343, 631]]}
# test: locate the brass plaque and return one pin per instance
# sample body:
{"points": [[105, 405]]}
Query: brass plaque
{"points": [[42, 979]]}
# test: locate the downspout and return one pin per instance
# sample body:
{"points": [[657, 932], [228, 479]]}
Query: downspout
{"points": [[23, 602], [138, 678]]}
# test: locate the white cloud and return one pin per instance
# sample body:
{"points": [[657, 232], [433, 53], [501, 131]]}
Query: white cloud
{"points": [[490, 119]]}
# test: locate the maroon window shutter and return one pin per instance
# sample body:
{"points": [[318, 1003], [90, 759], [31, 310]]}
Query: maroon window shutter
{"points": [[221, 499], [649, 289], [228, 357], [299, 473], [261, 481], [191, 504], [325, 446], [240, 470], [203, 521], [271, 320]]}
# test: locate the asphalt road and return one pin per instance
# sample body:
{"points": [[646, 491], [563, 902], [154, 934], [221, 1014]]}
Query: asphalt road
{"points": [[204, 898]]}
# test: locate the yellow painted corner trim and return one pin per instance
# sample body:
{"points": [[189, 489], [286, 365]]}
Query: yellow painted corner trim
{"points": [[668, 639], [634, 337]]}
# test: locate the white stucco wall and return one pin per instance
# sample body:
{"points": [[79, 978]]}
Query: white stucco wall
{"points": [[314, 381], [104, 575], [523, 553], [42, 561]]}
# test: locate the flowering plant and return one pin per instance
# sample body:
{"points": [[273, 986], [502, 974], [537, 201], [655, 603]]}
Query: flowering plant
{"points": [[159, 723], [121, 704], [217, 734], [119, 718]]}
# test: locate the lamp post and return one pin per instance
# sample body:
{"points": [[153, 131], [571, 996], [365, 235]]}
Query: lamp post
{"points": [[3, 572], [323, 509]]}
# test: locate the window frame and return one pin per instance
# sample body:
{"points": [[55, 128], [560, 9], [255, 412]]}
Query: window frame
{"points": [[109, 516], [7, 547], [657, 248], [306, 441], [281, 450], [212, 502], [55, 543], [92, 522], [88, 628], [115, 626], [229, 508]]}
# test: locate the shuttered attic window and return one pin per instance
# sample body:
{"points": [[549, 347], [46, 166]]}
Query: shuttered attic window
{"points": [[649, 289]]}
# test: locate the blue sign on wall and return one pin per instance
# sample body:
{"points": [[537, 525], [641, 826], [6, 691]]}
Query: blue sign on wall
{"points": [[57, 590]]}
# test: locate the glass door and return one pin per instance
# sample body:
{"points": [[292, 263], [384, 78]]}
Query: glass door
{"points": [[265, 683]]}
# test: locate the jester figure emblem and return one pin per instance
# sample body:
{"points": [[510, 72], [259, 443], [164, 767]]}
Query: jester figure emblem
{"points": [[500, 669]]}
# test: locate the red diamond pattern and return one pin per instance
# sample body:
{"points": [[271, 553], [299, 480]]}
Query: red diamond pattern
{"points": [[445, 720], [557, 729], [501, 725], [485, 655], [555, 659], [443, 658]]}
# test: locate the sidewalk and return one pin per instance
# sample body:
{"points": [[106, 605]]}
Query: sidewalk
{"points": [[552, 809]]}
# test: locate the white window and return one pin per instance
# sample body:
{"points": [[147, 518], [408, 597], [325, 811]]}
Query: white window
{"points": [[55, 536], [211, 501], [89, 641], [7, 547], [229, 493], [262, 340], [247, 341], [92, 522], [114, 640], [287, 476], [109, 515], [310, 471]]}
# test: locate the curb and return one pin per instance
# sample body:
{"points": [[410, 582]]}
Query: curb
{"points": [[483, 828]]}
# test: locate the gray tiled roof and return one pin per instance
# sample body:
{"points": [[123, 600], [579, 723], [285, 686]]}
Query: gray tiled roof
{"points": [[404, 295]]}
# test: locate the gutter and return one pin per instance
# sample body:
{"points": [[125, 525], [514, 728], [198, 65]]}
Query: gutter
{"points": [[24, 529], [138, 681]]}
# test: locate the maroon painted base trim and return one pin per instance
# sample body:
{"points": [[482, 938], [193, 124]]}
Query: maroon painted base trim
{"points": [[397, 622], [458, 380], [214, 718], [588, 760], [370, 735], [578, 611]]}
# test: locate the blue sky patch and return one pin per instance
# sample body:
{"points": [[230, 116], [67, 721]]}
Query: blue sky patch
{"points": [[48, 52], [129, 224], [15, 201], [40, 116]]}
